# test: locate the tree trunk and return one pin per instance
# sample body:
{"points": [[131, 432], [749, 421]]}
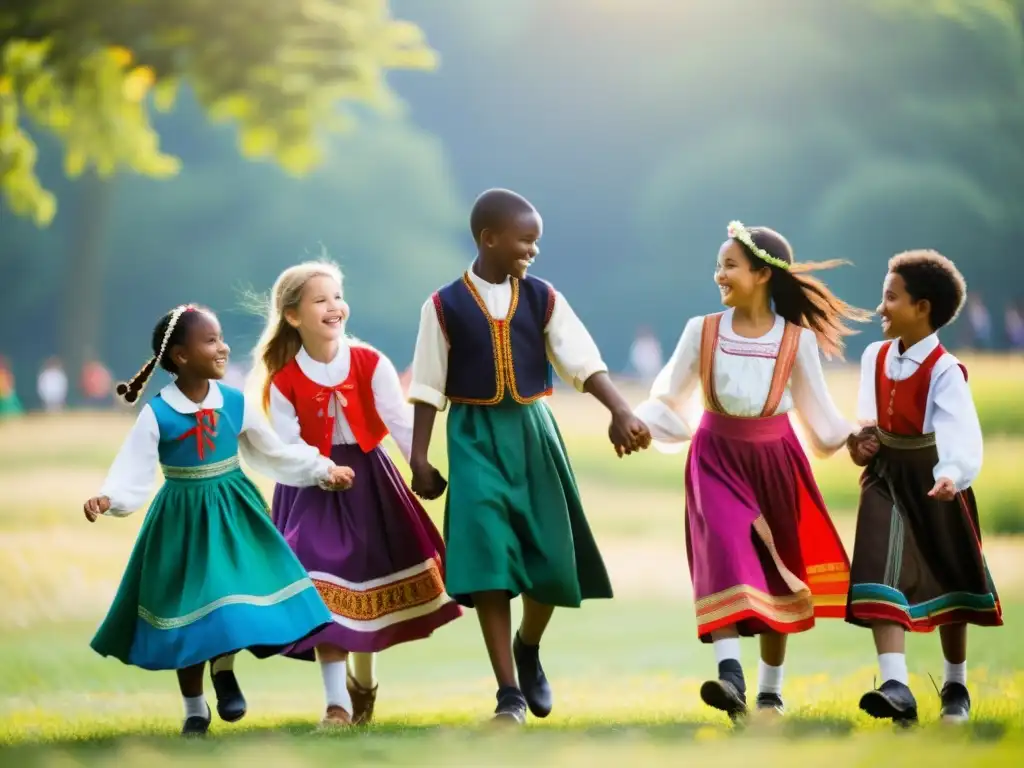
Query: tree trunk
{"points": [[82, 306]]}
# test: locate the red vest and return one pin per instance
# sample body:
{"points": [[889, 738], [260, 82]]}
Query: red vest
{"points": [[354, 396], [901, 404]]}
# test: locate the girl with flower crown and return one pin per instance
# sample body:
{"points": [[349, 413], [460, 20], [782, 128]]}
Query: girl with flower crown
{"points": [[764, 556]]}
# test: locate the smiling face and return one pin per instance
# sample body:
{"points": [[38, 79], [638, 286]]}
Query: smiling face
{"points": [[202, 354], [321, 313], [901, 315], [739, 283], [515, 246]]}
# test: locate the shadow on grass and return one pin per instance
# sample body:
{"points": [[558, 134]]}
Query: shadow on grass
{"points": [[376, 740]]}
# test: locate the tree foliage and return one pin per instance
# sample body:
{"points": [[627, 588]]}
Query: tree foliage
{"points": [[278, 70]]}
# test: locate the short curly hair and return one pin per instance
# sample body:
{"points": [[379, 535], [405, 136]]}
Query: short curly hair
{"points": [[929, 275]]}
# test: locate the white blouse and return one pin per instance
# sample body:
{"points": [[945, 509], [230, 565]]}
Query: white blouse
{"points": [[950, 412], [391, 405], [570, 347], [743, 376], [130, 479]]}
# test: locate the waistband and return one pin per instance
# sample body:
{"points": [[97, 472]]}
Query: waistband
{"points": [[905, 442], [751, 429], [201, 472]]}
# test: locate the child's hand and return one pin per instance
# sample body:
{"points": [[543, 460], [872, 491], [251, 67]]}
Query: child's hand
{"points": [[427, 482], [863, 446], [944, 490], [628, 434], [95, 507], [340, 479]]}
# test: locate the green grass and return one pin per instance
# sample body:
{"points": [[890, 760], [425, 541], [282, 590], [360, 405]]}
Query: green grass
{"points": [[626, 672]]}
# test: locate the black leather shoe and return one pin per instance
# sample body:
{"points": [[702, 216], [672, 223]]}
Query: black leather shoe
{"points": [[511, 707], [770, 703], [532, 680], [956, 703], [230, 702], [892, 701], [729, 692], [195, 727]]}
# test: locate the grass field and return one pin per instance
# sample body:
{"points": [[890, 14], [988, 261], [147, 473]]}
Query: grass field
{"points": [[625, 672]]}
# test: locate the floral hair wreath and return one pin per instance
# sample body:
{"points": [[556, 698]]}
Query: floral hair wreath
{"points": [[739, 232]]}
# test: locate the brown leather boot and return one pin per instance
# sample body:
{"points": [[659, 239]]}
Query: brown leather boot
{"points": [[363, 700]]}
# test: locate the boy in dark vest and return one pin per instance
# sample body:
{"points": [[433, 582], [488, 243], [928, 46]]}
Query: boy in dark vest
{"points": [[514, 524], [917, 558]]}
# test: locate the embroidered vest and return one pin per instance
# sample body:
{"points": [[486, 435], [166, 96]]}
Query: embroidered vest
{"points": [[489, 357], [354, 396], [901, 405], [206, 437], [780, 374]]}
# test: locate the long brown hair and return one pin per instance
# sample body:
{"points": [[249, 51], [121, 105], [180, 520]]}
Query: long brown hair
{"points": [[280, 342], [801, 298]]}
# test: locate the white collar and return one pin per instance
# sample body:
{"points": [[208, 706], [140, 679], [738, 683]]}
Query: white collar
{"points": [[920, 351], [480, 283], [173, 396]]}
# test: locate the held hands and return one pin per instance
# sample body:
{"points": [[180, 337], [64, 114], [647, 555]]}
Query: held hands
{"points": [[427, 481], [863, 446], [339, 479], [95, 507], [944, 490], [628, 434]]}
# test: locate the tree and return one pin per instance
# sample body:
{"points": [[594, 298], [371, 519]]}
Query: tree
{"points": [[89, 72]]}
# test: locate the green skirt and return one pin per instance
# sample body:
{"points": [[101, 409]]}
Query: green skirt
{"points": [[209, 575], [513, 517]]}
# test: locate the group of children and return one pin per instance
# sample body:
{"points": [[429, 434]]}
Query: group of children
{"points": [[348, 563]]}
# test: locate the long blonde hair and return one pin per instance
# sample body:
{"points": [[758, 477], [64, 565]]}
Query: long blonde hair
{"points": [[280, 342]]}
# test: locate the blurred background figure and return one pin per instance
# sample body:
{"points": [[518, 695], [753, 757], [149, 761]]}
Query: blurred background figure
{"points": [[97, 383], [645, 355], [52, 385], [10, 405]]}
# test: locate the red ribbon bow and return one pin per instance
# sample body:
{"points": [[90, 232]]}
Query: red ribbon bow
{"points": [[324, 397], [204, 430]]}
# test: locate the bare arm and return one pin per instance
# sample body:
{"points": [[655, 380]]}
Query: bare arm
{"points": [[422, 430], [604, 390]]}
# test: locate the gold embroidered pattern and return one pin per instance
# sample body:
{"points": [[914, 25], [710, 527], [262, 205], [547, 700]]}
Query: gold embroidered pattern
{"points": [[789, 609], [380, 601], [159, 622], [201, 472]]}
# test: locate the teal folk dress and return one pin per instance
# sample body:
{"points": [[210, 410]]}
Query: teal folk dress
{"points": [[514, 521], [209, 574]]}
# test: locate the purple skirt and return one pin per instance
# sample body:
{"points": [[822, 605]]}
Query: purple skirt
{"points": [[373, 553]]}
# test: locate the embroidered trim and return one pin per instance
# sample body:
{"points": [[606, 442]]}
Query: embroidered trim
{"points": [[439, 311], [737, 348], [551, 305], [263, 601], [202, 471], [787, 609], [416, 590], [505, 334], [783, 368], [708, 345]]}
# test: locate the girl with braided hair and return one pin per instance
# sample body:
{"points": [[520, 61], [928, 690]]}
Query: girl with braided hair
{"points": [[209, 574]]}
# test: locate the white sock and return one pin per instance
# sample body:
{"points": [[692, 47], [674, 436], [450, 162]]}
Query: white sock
{"points": [[223, 664], [769, 678], [727, 648], [335, 690], [893, 666], [363, 668], [956, 673], [195, 706]]}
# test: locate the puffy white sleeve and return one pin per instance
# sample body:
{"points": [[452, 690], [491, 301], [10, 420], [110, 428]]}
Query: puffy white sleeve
{"points": [[392, 407], [130, 478], [957, 429], [571, 349], [867, 409], [298, 464], [429, 361], [664, 409], [827, 428], [283, 418]]}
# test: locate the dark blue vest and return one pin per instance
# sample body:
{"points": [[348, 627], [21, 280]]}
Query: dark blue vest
{"points": [[488, 358]]}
